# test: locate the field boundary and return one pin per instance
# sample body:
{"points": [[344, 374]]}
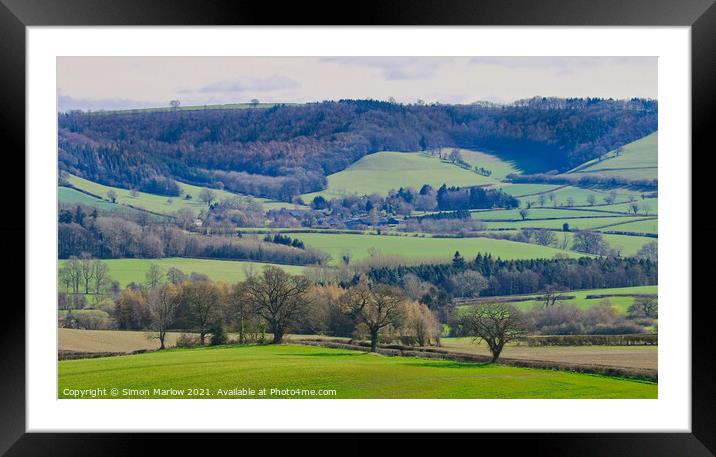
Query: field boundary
{"points": [[435, 353]]}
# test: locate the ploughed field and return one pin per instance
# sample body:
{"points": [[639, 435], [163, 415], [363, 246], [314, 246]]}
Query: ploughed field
{"points": [[350, 374], [611, 356]]}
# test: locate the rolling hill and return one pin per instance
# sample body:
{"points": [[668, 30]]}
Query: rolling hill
{"points": [[637, 160], [384, 171]]}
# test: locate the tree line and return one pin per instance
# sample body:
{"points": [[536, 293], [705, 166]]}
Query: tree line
{"points": [[511, 277], [272, 302], [109, 237]]}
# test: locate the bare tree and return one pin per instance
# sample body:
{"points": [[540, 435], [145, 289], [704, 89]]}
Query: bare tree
{"points": [[175, 104], [162, 302], [112, 195], [207, 196], [467, 284], [590, 242], [133, 193], [254, 102], [550, 295], [86, 271], [154, 276], [649, 251], [610, 198], [201, 300], [545, 237], [591, 199], [524, 212], [376, 308], [240, 309], [278, 298], [644, 307], [634, 207], [495, 323], [100, 276]]}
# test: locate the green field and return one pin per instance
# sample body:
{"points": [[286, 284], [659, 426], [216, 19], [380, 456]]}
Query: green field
{"points": [[640, 225], [537, 213], [580, 297], [428, 248], [499, 168], [351, 374], [133, 270], [574, 223], [523, 190], [638, 161], [651, 203], [383, 171], [160, 204], [73, 196]]}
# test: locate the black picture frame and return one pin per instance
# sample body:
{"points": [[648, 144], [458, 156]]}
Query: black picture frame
{"points": [[16, 15]]}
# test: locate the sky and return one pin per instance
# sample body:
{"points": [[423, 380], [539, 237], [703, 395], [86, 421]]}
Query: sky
{"points": [[94, 83]]}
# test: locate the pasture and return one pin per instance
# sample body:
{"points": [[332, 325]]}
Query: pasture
{"points": [[134, 270], [383, 171], [349, 374], [638, 226], [499, 167], [639, 160], [582, 223], [162, 204], [427, 247], [580, 298], [537, 213]]}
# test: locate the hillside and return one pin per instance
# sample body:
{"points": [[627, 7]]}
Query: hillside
{"points": [[636, 160], [283, 151], [385, 171], [95, 194]]}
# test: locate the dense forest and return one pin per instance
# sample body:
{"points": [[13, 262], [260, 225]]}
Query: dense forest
{"points": [[284, 151]]}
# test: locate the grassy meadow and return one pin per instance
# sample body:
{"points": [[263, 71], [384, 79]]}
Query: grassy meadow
{"points": [[382, 171], [639, 160], [134, 270], [161, 204], [350, 374], [427, 247], [580, 297]]}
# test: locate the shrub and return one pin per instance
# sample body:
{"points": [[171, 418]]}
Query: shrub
{"points": [[218, 336], [187, 340]]}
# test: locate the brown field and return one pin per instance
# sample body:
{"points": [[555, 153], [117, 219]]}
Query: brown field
{"points": [[613, 356], [121, 340]]}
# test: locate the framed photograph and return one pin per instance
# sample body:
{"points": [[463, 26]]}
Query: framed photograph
{"points": [[414, 219]]}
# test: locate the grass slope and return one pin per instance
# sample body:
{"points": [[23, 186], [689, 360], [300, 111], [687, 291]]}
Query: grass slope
{"points": [[427, 248], [638, 161], [383, 171], [499, 168], [133, 270], [159, 203], [351, 374]]}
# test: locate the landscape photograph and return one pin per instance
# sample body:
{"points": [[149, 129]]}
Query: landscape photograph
{"points": [[357, 227]]}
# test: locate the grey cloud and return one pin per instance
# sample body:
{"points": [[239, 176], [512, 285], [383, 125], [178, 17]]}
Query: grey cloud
{"points": [[395, 68], [67, 103], [272, 83], [559, 63]]}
